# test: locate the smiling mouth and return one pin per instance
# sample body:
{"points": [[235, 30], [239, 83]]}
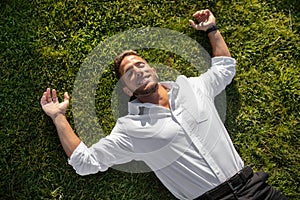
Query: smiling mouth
{"points": [[145, 93], [144, 81]]}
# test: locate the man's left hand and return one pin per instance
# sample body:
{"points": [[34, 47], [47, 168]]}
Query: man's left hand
{"points": [[205, 18]]}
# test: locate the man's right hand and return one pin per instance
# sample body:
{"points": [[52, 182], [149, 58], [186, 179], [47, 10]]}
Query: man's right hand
{"points": [[51, 105], [56, 111]]}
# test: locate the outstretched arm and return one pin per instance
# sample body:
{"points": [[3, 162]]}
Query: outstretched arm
{"points": [[206, 21], [56, 111]]}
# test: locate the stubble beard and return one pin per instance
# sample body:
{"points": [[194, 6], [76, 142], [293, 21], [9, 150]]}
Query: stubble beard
{"points": [[143, 93]]}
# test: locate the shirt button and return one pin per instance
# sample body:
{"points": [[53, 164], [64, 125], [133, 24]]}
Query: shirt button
{"points": [[217, 172]]}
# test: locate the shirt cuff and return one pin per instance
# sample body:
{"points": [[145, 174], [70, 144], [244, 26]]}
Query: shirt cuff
{"points": [[223, 60], [80, 148]]}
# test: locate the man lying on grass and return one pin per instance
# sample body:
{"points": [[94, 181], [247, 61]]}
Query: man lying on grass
{"points": [[198, 160]]}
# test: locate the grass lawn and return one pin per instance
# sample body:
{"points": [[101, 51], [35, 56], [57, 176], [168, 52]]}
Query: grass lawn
{"points": [[44, 42]]}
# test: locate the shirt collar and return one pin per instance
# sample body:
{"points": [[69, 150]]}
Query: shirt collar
{"points": [[135, 107]]}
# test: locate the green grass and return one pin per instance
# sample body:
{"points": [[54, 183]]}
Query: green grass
{"points": [[44, 42]]}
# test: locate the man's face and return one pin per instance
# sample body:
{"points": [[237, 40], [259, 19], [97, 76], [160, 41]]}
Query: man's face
{"points": [[140, 79]]}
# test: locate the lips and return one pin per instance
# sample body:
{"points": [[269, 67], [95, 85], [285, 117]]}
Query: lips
{"points": [[143, 81]]}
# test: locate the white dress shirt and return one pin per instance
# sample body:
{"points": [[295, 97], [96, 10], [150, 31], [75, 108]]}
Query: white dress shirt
{"points": [[187, 147]]}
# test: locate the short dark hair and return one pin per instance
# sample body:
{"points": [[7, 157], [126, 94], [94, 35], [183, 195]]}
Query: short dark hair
{"points": [[119, 59]]}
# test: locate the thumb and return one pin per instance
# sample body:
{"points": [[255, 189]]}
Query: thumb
{"points": [[66, 98], [194, 25]]}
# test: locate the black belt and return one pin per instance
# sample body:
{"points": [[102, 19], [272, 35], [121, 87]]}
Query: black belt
{"points": [[229, 186]]}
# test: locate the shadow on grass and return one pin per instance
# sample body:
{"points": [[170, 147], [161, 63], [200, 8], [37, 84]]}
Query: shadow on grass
{"points": [[233, 107]]}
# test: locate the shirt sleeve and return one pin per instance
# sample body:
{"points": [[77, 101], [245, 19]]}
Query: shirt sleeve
{"points": [[215, 79], [115, 148]]}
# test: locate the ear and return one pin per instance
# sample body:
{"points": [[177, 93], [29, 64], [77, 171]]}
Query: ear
{"points": [[127, 91]]}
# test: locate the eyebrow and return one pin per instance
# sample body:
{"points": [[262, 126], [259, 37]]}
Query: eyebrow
{"points": [[131, 66]]}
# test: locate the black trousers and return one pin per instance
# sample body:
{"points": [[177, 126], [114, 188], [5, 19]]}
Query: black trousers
{"points": [[256, 188]]}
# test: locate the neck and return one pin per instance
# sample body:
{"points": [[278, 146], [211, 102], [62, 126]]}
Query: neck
{"points": [[160, 97]]}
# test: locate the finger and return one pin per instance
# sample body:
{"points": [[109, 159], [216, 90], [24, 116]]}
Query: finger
{"points": [[201, 16], [66, 96], [54, 96], [201, 13], [204, 15], [44, 99], [196, 26], [48, 96], [197, 15], [207, 12]]}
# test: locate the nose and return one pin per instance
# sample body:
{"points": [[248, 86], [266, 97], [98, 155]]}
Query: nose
{"points": [[138, 71], [139, 74]]}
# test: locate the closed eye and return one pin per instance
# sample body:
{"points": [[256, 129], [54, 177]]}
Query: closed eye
{"points": [[129, 73], [140, 64]]}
